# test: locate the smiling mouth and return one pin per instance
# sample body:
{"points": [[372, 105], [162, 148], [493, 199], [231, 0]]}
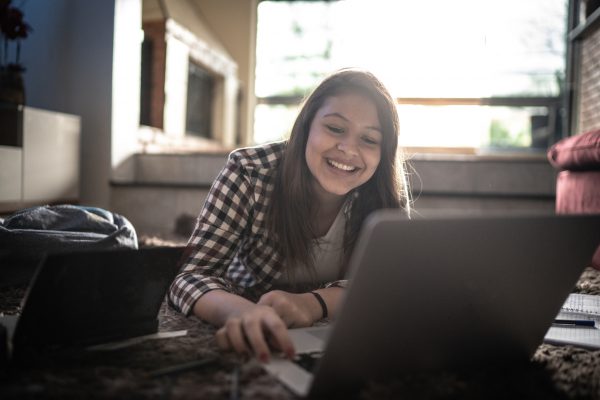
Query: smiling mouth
{"points": [[340, 166]]}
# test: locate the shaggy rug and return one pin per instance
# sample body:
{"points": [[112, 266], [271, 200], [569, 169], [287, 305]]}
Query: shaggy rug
{"points": [[145, 370]]}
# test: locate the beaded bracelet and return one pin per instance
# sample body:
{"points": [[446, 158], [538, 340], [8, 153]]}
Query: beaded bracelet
{"points": [[322, 303]]}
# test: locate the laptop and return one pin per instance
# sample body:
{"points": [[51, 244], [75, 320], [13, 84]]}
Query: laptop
{"points": [[442, 294], [91, 297]]}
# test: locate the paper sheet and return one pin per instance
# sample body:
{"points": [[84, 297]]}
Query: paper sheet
{"points": [[578, 307], [130, 342], [575, 335], [582, 303]]}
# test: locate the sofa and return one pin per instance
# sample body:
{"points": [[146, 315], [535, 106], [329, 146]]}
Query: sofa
{"points": [[577, 158]]}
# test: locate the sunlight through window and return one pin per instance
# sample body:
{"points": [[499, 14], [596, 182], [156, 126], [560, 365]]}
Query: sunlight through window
{"points": [[467, 73]]}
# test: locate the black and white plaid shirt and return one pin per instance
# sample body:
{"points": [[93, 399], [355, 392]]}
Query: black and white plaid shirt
{"points": [[231, 247]]}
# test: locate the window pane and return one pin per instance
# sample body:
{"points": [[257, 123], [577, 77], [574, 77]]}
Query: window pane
{"points": [[473, 126], [273, 122], [433, 49], [293, 46], [199, 101]]}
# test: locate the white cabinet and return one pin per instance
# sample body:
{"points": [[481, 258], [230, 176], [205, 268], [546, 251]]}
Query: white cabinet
{"points": [[11, 173], [46, 168]]}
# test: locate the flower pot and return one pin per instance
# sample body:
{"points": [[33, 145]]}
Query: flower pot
{"points": [[12, 99], [12, 88]]}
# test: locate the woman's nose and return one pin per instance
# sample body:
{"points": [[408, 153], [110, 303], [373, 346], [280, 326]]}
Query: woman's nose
{"points": [[348, 146]]}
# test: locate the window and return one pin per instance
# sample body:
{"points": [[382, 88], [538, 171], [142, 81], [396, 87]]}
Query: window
{"points": [[146, 82], [199, 101], [467, 73]]}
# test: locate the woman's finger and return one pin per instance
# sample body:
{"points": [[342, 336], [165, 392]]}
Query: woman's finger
{"points": [[256, 338], [222, 340], [278, 333], [235, 335]]}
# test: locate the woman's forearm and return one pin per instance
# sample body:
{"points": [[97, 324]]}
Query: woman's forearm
{"points": [[217, 306]]}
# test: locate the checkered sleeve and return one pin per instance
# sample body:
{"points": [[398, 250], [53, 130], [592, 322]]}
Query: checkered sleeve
{"points": [[216, 238]]}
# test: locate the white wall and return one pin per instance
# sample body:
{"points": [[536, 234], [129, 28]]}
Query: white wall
{"points": [[69, 61], [69, 69], [187, 38], [127, 60], [45, 54], [234, 23]]}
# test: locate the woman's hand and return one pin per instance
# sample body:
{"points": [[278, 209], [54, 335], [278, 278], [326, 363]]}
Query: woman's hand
{"points": [[255, 328], [296, 310], [254, 331]]}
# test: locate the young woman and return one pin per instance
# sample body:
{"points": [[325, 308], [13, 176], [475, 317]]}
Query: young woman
{"points": [[271, 244]]}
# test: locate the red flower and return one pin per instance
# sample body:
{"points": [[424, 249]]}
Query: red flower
{"points": [[11, 22], [12, 28]]}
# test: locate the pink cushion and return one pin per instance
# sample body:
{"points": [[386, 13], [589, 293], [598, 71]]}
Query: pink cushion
{"points": [[578, 192], [579, 152]]}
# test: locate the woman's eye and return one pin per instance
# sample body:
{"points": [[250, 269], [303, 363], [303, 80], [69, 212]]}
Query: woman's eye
{"points": [[335, 129], [369, 140]]}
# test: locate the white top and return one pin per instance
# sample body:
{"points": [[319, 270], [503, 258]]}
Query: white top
{"points": [[327, 251]]}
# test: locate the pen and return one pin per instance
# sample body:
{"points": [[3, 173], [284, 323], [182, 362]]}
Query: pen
{"points": [[578, 322], [175, 369]]}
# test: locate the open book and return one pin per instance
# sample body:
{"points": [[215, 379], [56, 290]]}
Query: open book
{"points": [[577, 307]]}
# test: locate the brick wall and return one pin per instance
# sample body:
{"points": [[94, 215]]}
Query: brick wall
{"points": [[589, 87]]}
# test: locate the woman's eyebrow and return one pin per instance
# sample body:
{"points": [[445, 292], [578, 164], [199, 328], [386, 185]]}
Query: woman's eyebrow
{"points": [[337, 114]]}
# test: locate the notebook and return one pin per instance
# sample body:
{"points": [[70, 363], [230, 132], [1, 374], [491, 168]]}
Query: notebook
{"points": [[577, 307], [91, 297], [442, 294]]}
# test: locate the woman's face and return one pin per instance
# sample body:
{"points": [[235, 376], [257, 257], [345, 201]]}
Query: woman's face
{"points": [[344, 144]]}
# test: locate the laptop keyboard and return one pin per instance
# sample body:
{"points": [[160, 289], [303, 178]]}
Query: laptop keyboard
{"points": [[307, 361]]}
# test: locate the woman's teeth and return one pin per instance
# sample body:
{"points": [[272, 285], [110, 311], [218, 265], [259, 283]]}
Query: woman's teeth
{"points": [[341, 166]]}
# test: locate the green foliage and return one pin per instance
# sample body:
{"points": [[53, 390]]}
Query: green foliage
{"points": [[501, 136], [295, 91]]}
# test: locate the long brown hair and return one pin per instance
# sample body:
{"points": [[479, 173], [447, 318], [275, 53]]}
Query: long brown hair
{"points": [[292, 207]]}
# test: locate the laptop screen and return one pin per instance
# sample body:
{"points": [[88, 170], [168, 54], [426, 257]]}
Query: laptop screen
{"points": [[96, 296]]}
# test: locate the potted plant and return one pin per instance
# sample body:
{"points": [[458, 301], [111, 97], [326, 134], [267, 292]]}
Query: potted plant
{"points": [[13, 29]]}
